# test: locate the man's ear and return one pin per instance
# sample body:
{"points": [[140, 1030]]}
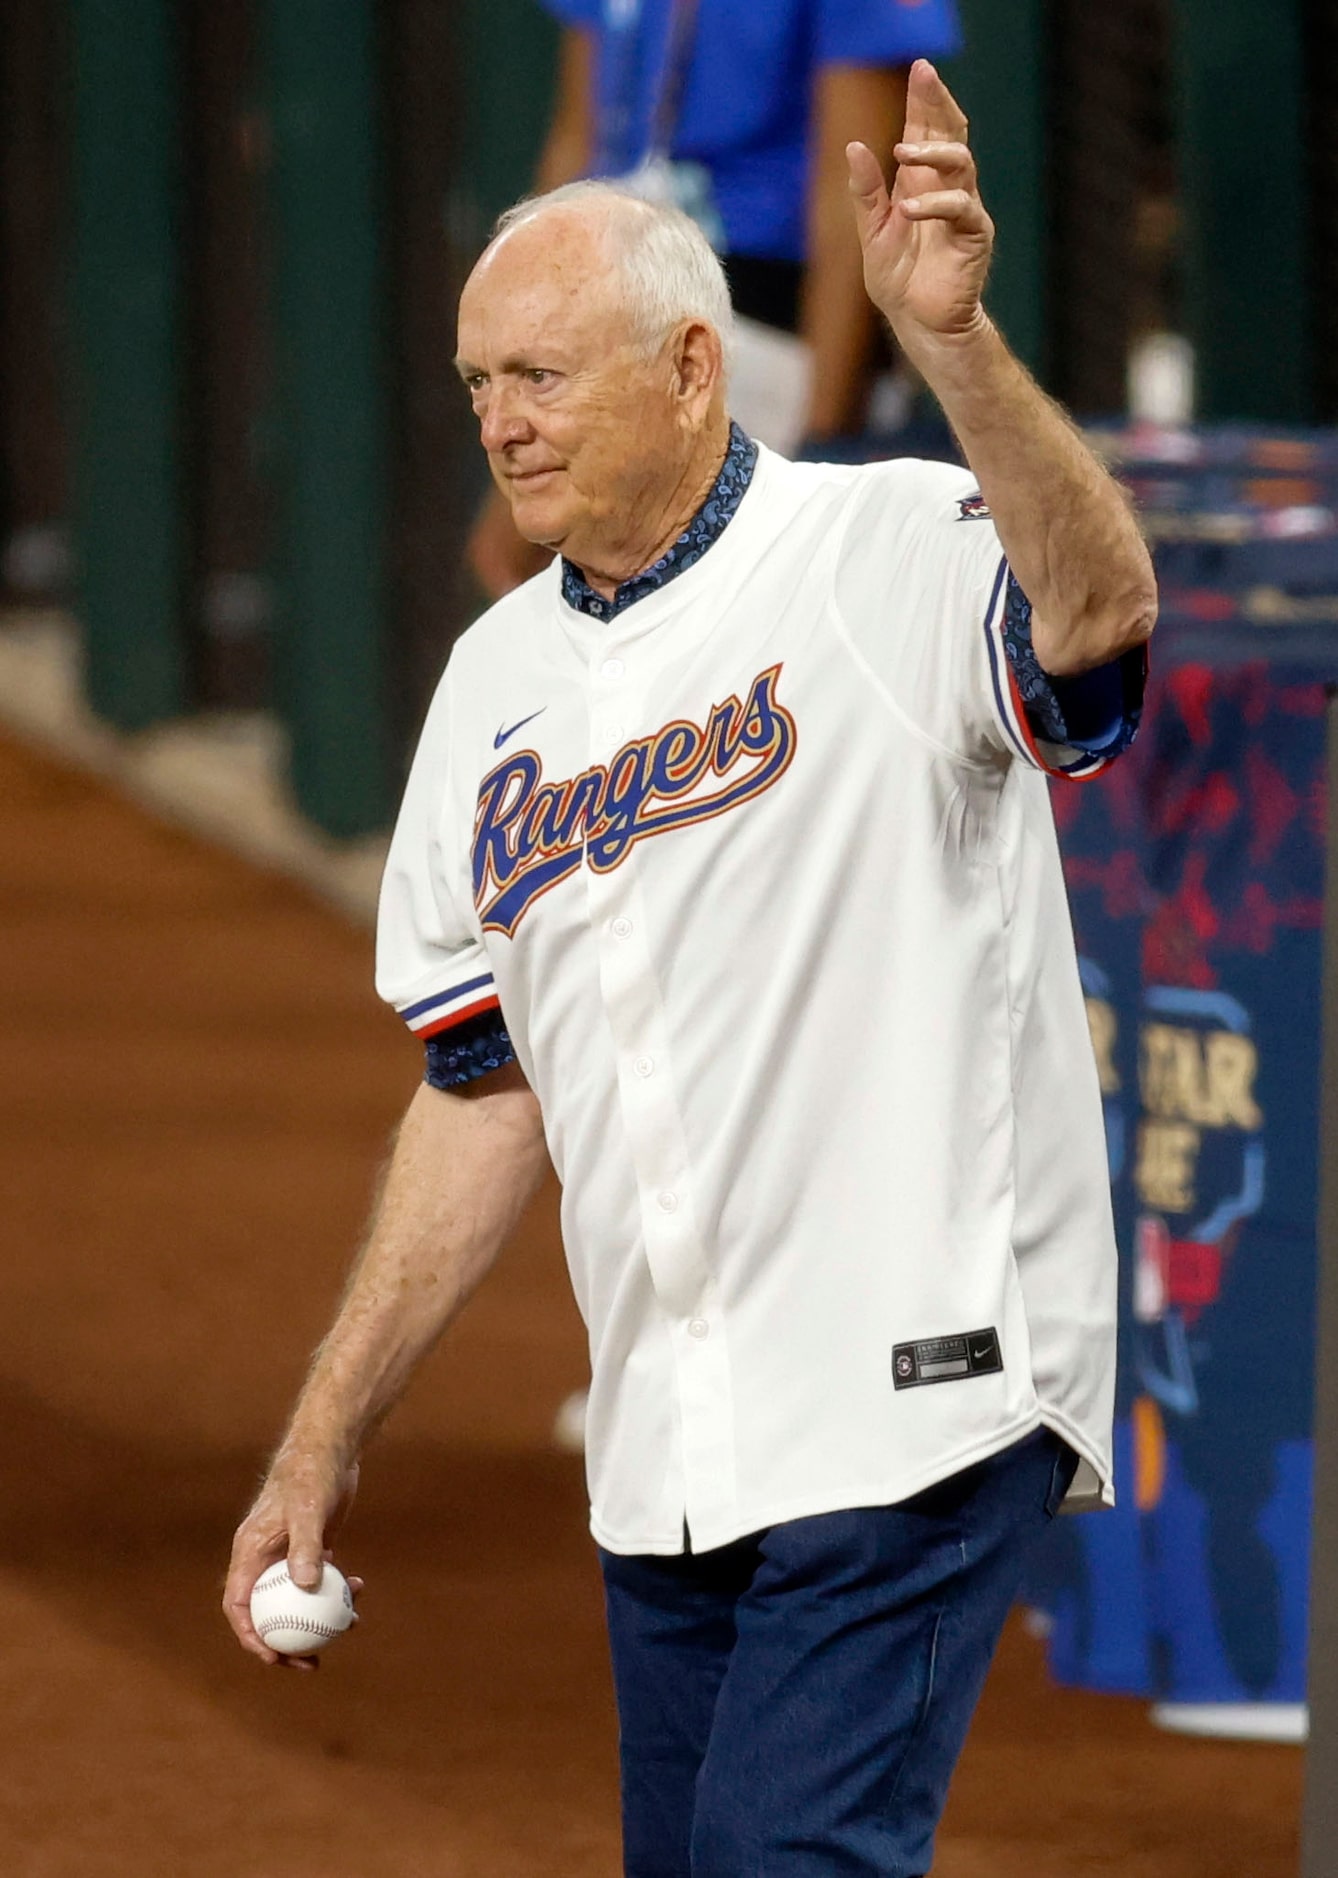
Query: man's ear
{"points": [[699, 363]]}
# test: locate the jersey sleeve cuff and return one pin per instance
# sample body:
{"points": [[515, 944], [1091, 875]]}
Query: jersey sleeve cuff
{"points": [[1073, 727], [443, 1010], [473, 1048]]}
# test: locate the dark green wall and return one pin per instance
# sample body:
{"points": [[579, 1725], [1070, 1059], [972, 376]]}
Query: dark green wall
{"points": [[1244, 172], [127, 302], [509, 52], [1000, 81], [328, 209]]}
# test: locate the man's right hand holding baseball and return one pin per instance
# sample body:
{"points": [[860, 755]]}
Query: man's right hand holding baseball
{"points": [[299, 1509]]}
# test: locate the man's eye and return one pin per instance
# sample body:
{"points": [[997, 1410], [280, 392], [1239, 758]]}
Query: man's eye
{"points": [[538, 375], [475, 381]]}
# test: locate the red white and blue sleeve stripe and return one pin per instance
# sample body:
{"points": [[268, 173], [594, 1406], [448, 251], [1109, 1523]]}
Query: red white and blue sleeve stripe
{"points": [[444, 1010], [1071, 727]]}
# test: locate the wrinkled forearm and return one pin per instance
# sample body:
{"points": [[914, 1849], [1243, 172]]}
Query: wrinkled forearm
{"points": [[1068, 531], [463, 1169]]}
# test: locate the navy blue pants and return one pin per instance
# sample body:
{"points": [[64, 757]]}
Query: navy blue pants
{"points": [[793, 1705]]}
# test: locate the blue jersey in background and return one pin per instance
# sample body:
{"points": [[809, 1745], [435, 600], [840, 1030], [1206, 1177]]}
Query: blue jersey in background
{"points": [[745, 92]]}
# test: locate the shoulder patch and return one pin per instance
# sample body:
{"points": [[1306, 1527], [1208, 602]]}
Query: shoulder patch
{"points": [[974, 509]]}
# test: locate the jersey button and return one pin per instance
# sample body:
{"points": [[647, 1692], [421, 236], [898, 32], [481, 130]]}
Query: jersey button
{"points": [[699, 1328], [611, 668], [621, 928], [667, 1202], [645, 1066]]}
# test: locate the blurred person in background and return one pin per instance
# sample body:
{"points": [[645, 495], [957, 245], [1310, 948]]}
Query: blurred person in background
{"points": [[739, 112]]}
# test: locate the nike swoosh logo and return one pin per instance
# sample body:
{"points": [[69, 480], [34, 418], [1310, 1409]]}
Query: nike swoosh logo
{"points": [[503, 735], [979, 1356]]}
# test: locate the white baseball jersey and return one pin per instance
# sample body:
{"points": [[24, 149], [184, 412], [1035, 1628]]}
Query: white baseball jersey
{"points": [[763, 872]]}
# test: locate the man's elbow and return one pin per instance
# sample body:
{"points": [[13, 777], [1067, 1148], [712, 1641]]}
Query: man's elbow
{"points": [[1109, 627], [1130, 620], [1132, 610]]}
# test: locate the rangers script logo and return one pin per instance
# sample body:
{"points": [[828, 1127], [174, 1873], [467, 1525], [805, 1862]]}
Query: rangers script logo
{"points": [[530, 834]]}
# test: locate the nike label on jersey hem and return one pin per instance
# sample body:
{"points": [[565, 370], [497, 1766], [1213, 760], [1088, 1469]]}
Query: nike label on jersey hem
{"points": [[946, 1359], [504, 735]]}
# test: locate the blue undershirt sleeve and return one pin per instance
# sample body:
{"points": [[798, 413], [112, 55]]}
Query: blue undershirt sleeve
{"points": [[472, 1049]]}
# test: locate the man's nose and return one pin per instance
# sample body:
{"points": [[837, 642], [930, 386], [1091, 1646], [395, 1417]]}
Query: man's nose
{"points": [[503, 419]]}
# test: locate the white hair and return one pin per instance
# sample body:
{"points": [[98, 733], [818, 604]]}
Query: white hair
{"points": [[668, 269]]}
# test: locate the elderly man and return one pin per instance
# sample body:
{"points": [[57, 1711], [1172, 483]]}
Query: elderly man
{"points": [[726, 874]]}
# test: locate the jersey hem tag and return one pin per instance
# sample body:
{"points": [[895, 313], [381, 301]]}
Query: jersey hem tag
{"points": [[946, 1359]]}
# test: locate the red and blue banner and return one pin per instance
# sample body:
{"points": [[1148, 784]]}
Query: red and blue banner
{"points": [[1196, 879]]}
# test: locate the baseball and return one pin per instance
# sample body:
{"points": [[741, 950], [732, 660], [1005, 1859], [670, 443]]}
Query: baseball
{"points": [[296, 1622]]}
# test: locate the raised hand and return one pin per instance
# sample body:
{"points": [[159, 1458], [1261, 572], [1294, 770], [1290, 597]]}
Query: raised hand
{"points": [[927, 241]]}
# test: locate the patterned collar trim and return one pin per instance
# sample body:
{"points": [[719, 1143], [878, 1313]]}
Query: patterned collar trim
{"points": [[701, 533]]}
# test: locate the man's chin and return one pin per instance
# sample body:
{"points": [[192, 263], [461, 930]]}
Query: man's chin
{"points": [[542, 523]]}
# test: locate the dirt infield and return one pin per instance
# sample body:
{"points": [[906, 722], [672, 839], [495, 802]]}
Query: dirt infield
{"points": [[196, 1086]]}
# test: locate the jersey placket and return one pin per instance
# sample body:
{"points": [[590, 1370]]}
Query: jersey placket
{"points": [[684, 1287]]}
